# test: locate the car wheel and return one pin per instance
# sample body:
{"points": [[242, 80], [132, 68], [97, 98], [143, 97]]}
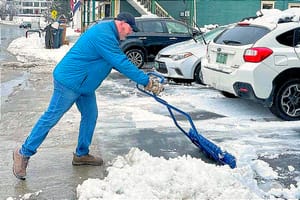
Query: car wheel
{"points": [[228, 95], [286, 102], [198, 77], [136, 56]]}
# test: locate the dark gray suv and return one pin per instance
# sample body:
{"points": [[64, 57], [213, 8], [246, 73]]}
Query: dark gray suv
{"points": [[155, 34]]}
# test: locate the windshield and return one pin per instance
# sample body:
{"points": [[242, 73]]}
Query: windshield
{"points": [[208, 36]]}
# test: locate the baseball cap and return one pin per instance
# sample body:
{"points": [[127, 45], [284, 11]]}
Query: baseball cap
{"points": [[129, 19]]}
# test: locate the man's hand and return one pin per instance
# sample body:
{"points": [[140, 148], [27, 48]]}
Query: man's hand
{"points": [[154, 86]]}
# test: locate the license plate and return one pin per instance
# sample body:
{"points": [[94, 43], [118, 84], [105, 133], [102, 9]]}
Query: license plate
{"points": [[221, 58]]}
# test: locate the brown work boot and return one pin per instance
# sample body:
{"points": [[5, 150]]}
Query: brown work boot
{"points": [[20, 164], [87, 160]]}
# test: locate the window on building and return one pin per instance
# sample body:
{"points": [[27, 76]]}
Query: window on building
{"points": [[293, 5], [267, 4], [27, 4], [44, 4], [27, 11], [36, 4]]}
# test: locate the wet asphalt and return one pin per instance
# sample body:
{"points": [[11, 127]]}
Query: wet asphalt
{"points": [[50, 174], [25, 93]]}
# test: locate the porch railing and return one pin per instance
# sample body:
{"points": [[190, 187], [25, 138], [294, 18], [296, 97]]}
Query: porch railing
{"points": [[154, 7]]}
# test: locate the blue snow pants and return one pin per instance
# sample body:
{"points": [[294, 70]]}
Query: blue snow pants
{"points": [[61, 101]]}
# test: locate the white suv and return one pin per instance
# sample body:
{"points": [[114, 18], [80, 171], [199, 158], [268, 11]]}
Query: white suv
{"points": [[258, 60]]}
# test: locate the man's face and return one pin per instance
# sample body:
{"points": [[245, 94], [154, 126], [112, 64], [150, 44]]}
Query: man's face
{"points": [[125, 30]]}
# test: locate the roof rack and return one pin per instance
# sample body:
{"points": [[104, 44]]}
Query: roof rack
{"points": [[285, 20]]}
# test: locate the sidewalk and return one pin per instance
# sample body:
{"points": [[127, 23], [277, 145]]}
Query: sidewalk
{"points": [[50, 173]]}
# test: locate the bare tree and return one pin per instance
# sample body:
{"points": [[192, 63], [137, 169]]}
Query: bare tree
{"points": [[3, 12], [11, 9]]}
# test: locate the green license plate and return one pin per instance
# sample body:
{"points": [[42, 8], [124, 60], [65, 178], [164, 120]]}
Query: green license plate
{"points": [[221, 58]]}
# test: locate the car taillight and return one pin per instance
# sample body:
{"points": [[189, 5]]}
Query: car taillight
{"points": [[244, 23], [257, 54]]}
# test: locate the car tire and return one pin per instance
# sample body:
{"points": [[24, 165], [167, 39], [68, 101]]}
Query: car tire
{"points": [[180, 81], [136, 56], [286, 101], [198, 78], [228, 95]]}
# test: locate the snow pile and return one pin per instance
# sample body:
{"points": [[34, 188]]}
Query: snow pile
{"points": [[141, 176], [33, 48], [138, 175]]}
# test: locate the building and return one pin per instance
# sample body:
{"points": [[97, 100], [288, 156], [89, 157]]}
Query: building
{"points": [[200, 12], [228, 11], [29, 8], [93, 10]]}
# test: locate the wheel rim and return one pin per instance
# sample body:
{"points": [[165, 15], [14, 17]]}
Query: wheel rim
{"points": [[290, 100], [136, 58]]}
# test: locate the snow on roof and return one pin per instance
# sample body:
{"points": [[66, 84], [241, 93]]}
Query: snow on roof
{"points": [[271, 17], [264, 12]]}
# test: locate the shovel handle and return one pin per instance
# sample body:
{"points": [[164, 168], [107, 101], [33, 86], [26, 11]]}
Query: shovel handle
{"points": [[170, 108], [201, 142]]}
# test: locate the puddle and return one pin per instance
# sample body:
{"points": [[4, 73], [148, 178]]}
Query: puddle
{"points": [[8, 87]]}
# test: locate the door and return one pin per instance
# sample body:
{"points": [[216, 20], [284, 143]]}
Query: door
{"points": [[154, 36]]}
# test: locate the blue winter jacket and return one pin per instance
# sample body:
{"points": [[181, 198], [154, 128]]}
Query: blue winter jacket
{"points": [[92, 58]]}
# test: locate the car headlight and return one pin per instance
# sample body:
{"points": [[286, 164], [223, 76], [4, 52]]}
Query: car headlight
{"points": [[181, 56]]}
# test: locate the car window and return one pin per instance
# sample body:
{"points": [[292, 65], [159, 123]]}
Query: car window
{"points": [[287, 38], [297, 37], [174, 27], [241, 35], [208, 36], [151, 26]]}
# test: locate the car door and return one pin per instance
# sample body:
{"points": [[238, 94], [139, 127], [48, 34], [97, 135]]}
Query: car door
{"points": [[153, 35]]}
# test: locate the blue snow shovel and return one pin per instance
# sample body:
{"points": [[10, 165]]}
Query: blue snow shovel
{"points": [[209, 148]]}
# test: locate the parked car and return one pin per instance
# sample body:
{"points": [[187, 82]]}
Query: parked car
{"points": [[181, 62], [258, 60], [25, 25], [155, 34]]}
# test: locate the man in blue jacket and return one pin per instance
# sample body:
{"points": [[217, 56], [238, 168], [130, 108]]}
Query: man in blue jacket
{"points": [[76, 77]]}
